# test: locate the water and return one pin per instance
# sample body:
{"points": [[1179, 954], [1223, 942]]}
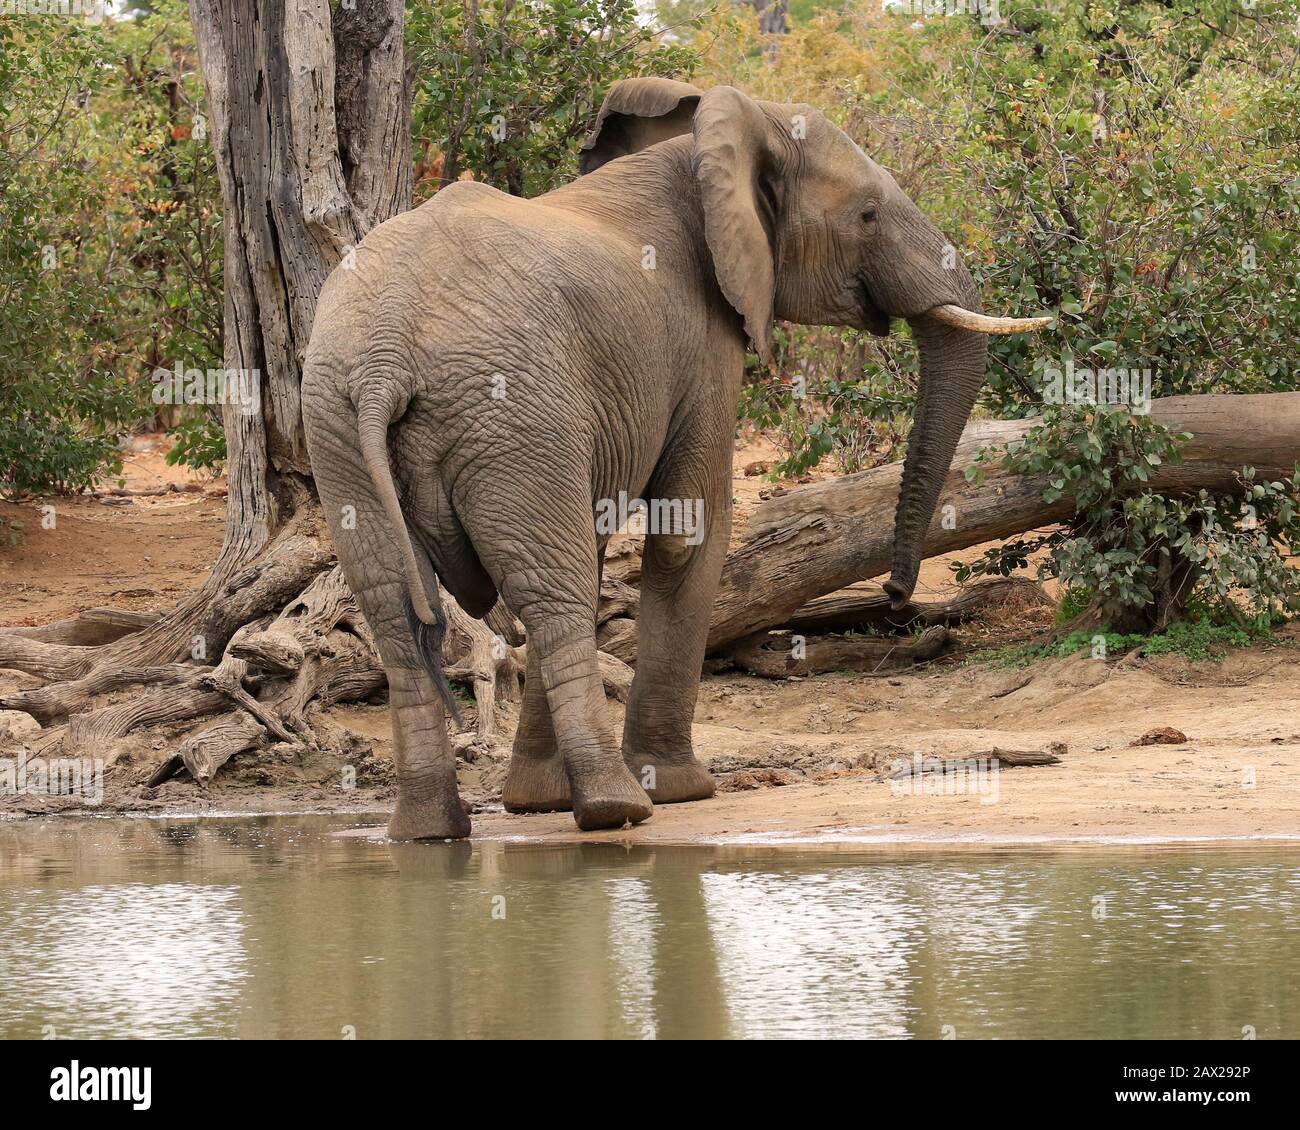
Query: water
{"points": [[282, 926]]}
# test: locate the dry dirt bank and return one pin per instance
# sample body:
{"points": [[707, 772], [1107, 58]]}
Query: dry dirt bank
{"points": [[796, 761]]}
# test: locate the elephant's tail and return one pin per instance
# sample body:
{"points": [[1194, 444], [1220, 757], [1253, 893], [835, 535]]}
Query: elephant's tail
{"points": [[377, 406]]}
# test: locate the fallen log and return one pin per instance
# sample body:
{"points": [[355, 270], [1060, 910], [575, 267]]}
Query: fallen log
{"points": [[92, 628], [922, 765], [148, 492], [780, 655], [816, 539]]}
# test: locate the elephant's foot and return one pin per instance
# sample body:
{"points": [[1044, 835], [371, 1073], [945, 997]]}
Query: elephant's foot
{"points": [[669, 782], [424, 815], [536, 785], [609, 797]]}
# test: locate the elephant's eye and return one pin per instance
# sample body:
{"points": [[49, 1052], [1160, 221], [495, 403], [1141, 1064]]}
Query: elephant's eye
{"points": [[869, 216]]}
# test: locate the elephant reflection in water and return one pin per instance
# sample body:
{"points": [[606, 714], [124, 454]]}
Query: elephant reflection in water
{"points": [[581, 940]]}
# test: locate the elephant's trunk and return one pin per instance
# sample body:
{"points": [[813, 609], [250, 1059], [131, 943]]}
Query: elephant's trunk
{"points": [[952, 369]]}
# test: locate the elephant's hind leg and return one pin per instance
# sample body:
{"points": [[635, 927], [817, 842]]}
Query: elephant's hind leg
{"points": [[428, 802], [550, 581]]}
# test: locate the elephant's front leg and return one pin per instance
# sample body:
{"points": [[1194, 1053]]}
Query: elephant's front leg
{"points": [[536, 780], [678, 583]]}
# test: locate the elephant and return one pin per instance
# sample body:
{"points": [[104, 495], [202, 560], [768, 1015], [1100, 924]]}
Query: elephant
{"points": [[487, 371]]}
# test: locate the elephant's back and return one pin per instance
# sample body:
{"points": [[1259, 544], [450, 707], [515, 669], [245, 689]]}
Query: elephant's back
{"points": [[486, 236]]}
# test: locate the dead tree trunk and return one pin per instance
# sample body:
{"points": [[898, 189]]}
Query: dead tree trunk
{"points": [[771, 15], [312, 152], [308, 108]]}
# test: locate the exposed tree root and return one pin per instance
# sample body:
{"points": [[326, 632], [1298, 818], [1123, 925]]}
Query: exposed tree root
{"points": [[95, 733], [92, 628], [44, 660], [286, 632], [473, 652], [207, 750], [53, 703]]}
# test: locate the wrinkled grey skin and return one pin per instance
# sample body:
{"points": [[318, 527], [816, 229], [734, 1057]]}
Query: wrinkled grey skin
{"points": [[609, 376]]}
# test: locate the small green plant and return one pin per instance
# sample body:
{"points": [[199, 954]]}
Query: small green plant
{"points": [[1142, 557], [1195, 641], [200, 443], [1075, 601], [1201, 640]]}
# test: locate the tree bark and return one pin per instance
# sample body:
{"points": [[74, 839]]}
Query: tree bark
{"points": [[309, 116]]}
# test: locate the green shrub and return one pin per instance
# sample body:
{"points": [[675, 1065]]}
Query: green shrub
{"points": [[200, 442], [62, 400], [109, 237], [1198, 641], [1144, 557], [509, 93], [833, 394]]}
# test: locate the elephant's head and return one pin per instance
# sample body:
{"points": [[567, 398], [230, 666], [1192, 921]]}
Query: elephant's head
{"points": [[803, 225]]}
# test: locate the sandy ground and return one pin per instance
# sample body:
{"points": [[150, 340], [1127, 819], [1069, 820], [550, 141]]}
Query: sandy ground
{"points": [[798, 761], [138, 552]]}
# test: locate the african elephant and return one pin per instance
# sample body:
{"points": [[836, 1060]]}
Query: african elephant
{"points": [[490, 371]]}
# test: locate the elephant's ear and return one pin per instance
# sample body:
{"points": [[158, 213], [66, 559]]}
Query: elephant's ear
{"points": [[733, 166], [638, 112]]}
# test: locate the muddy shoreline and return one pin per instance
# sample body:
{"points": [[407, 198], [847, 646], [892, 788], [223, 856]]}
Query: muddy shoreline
{"points": [[806, 763]]}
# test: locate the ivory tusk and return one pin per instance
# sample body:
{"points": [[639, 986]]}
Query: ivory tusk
{"points": [[982, 323]]}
